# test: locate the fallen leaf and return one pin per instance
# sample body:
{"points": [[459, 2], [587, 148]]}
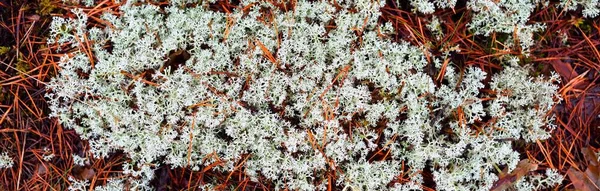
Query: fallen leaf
{"points": [[83, 173], [524, 167], [580, 180], [33, 17], [564, 69], [593, 176], [88, 173], [590, 179], [40, 169], [505, 181], [590, 156], [592, 172]]}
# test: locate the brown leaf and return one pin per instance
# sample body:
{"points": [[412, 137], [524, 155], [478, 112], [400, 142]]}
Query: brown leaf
{"points": [[505, 181], [590, 179], [590, 156], [40, 169], [523, 168], [593, 169], [564, 69], [580, 180], [83, 173], [33, 17], [88, 173], [593, 176]]}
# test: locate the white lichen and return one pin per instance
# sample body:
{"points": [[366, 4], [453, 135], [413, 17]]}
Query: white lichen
{"points": [[6, 161], [278, 92]]}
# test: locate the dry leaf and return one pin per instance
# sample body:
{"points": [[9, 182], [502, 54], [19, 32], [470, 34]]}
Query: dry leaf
{"points": [[505, 181], [83, 173], [593, 176], [524, 167], [33, 17], [590, 156], [593, 169], [40, 169], [564, 69], [88, 173], [580, 180], [590, 179]]}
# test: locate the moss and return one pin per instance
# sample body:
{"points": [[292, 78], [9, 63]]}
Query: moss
{"points": [[501, 37], [4, 50], [386, 95], [539, 70], [46, 7], [525, 61], [583, 24], [3, 96], [22, 67], [586, 28]]}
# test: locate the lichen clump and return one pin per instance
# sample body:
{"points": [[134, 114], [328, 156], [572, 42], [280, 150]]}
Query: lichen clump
{"points": [[295, 96], [5, 161]]}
